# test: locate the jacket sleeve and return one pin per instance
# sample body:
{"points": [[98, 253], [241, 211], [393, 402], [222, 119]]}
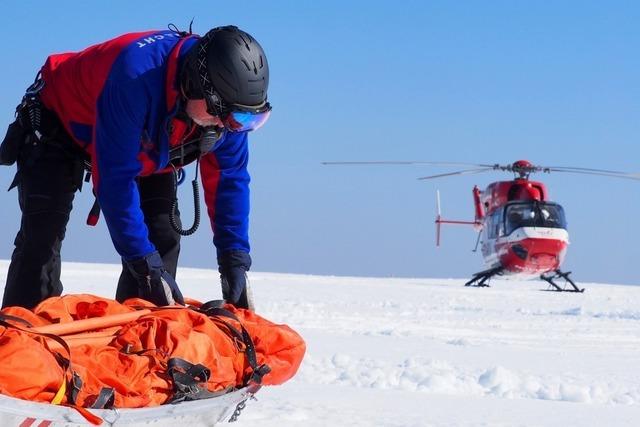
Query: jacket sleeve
{"points": [[225, 179], [121, 111]]}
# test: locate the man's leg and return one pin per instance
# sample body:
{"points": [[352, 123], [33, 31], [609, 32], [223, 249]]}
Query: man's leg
{"points": [[156, 197], [45, 192]]}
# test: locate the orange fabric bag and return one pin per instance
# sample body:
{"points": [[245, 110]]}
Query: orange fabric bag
{"points": [[141, 354]]}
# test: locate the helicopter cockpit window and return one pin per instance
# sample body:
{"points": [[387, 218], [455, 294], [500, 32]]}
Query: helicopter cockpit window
{"points": [[534, 214]]}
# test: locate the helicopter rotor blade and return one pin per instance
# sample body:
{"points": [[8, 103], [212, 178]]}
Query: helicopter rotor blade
{"points": [[611, 174], [479, 168], [571, 168], [462, 172], [409, 162]]}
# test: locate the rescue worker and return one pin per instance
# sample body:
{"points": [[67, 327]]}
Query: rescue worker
{"points": [[131, 112]]}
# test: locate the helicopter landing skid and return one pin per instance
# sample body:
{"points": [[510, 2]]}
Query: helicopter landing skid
{"points": [[479, 280], [554, 287]]}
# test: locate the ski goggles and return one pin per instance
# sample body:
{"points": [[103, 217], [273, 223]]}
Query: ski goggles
{"points": [[246, 119]]}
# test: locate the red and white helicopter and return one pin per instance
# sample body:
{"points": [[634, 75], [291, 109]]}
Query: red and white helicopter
{"points": [[522, 232]]}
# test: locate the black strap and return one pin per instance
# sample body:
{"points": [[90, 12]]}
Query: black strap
{"points": [[197, 372], [75, 385], [213, 309], [246, 338], [231, 330], [105, 399], [7, 317], [258, 372], [187, 378], [54, 337]]}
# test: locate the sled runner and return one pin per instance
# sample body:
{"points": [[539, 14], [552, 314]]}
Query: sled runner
{"points": [[137, 363], [207, 412]]}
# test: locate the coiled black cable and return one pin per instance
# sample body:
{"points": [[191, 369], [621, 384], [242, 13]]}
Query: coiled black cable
{"points": [[196, 204]]}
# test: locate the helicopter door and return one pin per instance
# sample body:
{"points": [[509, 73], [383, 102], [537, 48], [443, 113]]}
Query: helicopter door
{"points": [[495, 225], [493, 229]]}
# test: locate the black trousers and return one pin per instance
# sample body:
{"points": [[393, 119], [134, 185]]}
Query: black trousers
{"points": [[47, 180]]}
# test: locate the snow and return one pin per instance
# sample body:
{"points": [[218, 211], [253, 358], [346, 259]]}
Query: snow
{"points": [[430, 352]]}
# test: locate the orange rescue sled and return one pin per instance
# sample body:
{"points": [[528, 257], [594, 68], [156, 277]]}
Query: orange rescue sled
{"points": [[103, 358]]}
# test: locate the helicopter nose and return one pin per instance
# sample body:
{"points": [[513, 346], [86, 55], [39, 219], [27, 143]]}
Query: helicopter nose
{"points": [[544, 259], [536, 253]]}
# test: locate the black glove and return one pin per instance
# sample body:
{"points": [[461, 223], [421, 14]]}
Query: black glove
{"points": [[155, 284], [233, 266]]}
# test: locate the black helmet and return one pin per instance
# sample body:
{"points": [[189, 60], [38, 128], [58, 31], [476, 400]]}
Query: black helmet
{"points": [[228, 68]]}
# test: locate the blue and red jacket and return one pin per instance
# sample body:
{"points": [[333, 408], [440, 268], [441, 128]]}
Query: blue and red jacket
{"points": [[118, 100]]}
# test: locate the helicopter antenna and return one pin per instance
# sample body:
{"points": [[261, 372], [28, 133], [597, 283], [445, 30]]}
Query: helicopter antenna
{"points": [[475, 249], [438, 218]]}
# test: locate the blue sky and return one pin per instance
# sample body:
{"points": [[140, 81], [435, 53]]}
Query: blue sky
{"points": [[491, 82]]}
